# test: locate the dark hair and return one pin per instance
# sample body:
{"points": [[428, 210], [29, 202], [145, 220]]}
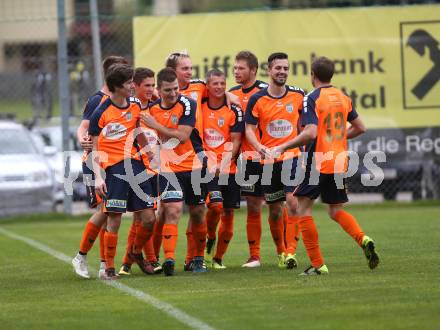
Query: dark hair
{"points": [[167, 74], [276, 56], [214, 73], [323, 68], [173, 59], [141, 73], [110, 60], [249, 57], [117, 75]]}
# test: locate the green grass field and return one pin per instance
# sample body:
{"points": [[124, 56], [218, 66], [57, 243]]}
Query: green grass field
{"points": [[39, 291]]}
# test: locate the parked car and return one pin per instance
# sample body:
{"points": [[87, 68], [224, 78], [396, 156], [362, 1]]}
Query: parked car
{"points": [[26, 179], [49, 137]]}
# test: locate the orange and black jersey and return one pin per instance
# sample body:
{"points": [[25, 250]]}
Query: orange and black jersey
{"points": [[244, 94], [218, 124], [92, 103], [197, 91], [174, 155], [276, 118], [151, 139], [115, 128], [330, 109]]}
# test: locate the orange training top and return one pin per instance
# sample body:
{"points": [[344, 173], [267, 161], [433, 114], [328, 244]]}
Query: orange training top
{"points": [[197, 91]]}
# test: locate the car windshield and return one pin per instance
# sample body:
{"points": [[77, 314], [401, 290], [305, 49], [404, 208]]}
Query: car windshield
{"points": [[16, 141]]}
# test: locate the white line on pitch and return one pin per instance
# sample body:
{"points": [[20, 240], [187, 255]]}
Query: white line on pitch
{"points": [[145, 297]]}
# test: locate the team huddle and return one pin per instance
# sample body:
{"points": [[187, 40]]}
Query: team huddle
{"points": [[152, 144]]}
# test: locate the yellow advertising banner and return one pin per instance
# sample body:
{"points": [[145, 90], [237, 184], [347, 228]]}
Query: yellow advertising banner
{"points": [[387, 58]]}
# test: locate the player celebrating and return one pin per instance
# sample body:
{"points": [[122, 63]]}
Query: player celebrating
{"points": [[113, 128], [275, 110], [222, 130], [245, 72], [326, 113], [96, 224], [173, 117]]}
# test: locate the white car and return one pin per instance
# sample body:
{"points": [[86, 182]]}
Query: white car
{"points": [[26, 179], [49, 138]]}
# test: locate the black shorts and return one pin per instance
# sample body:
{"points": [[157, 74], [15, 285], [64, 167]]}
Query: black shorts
{"points": [[278, 179], [326, 187], [93, 199], [177, 187], [124, 192], [224, 189], [247, 168]]}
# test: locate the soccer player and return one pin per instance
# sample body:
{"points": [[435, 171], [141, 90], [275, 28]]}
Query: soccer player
{"points": [[222, 130], [114, 135], [96, 224], [195, 89], [326, 113], [144, 85], [245, 72], [173, 117], [275, 110]]}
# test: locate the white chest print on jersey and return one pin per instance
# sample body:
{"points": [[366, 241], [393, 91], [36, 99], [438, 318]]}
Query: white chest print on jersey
{"points": [[114, 131], [279, 128], [213, 138]]}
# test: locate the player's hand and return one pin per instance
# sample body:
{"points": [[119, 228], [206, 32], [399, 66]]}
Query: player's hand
{"points": [[276, 152], [263, 151], [100, 187], [86, 143], [149, 120]]}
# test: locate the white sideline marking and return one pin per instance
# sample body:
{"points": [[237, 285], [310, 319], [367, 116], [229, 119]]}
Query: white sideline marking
{"points": [[145, 297]]}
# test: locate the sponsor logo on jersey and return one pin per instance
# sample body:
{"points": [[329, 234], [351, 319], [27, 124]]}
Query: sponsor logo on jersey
{"points": [[171, 194], [118, 203], [213, 138], [279, 128], [114, 131]]}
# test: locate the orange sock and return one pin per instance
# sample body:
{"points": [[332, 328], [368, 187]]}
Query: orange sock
{"points": [[101, 242], [149, 251], [110, 243], [253, 230], [199, 236], [130, 240], [277, 231], [169, 240], [310, 239], [190, 243], [285, 219], [143, 234], [292, 234], [90, 233], [212, 218], [350, 225], [225, 233], [157, 237]]}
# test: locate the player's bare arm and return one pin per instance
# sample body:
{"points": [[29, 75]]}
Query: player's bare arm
{"points": [[83, 135], [252, 139], [357, 128], [100, 186], [307, 135]]}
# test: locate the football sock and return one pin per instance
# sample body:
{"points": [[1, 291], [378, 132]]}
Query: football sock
{"points": [[90, 233], [143, 234], [190, 243], [130, 240], [350, 225], [310, 238], [292, 234], [157, 236], [225, 233], [277, 231], [110, 243], [212, 218], [199, 237], [149, 250], [169, 240], [253, 230]]}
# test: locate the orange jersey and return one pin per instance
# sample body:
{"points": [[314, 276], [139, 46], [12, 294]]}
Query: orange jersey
{"points": [[115, 128], [176, 156], [93, 102], [244, 94], [276, 118], [218, 124], [197, 91], [152, 142], [330, 109]]}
